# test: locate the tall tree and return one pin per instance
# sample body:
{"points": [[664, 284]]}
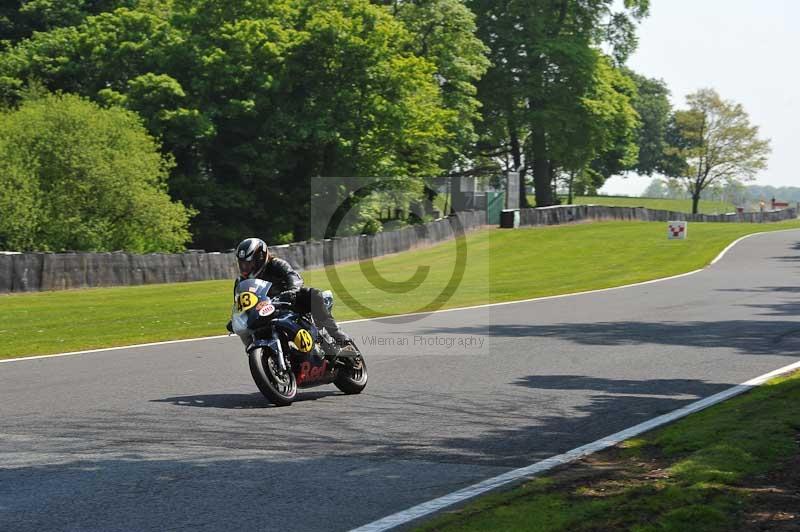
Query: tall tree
{"points": [[255, 97], [544, 62], [600, 137], [444, 32], [651, 102], [713, 142], [20, 18]]}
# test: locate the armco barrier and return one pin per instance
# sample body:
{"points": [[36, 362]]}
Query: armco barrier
{"points": [[29, 272], [562, 214], [6, 272]]}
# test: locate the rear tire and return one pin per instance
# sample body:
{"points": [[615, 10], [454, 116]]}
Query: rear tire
{"points": [[352, 379], [279, 390]]}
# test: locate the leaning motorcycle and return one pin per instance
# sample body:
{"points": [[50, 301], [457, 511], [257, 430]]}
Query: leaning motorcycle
{"points": [[286, 349]]}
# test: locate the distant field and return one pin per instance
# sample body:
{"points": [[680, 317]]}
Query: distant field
{"points": [[706, 207], [499, 265], [678, 205]]}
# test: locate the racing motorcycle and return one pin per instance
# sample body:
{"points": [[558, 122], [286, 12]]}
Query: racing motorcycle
{"points": [[286, 349]]}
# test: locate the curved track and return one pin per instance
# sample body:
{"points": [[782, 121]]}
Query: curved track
{"points": [[176, 436]]}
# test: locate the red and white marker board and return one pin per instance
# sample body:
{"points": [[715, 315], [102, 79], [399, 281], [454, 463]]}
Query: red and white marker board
{"points": [[677, 230]]}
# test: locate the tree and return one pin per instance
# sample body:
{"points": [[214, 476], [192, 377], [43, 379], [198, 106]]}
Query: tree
{"points": [[444, 32], [652, 104], [255, 97], [713, 142], [75, 176], [656, 189], [600, 136], [544, 63], [20, 18]]}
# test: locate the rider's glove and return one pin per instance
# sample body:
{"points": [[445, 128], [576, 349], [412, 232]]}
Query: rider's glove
{"points": [[288, 296]]}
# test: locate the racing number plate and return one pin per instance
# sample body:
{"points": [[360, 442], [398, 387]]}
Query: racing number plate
{"points": [[246, 301], [303, 341]]}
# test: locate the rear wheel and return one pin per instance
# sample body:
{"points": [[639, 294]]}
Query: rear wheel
{"points": [[277, 386], [352, 378]]}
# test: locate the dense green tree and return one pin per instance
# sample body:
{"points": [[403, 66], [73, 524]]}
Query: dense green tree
{"points": [[444, 32], [75, 176], [651, 102], [713, 142], [600, 136], [353, 100], [254, 97], [20, 18], [544, 63]]}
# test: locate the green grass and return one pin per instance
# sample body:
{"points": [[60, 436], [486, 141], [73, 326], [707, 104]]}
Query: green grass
{"points": [[678, 205], [707, 461], [501, 265]]}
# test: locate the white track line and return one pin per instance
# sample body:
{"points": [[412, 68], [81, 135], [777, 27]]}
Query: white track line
{"points": [[517, 475], [39, 357], [717, 259]]}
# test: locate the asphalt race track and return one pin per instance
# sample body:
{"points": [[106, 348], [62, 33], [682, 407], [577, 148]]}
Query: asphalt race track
{"points": [[177, 437]]}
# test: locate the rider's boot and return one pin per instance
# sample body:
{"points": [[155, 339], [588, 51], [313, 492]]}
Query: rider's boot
{"points": [[341, 340], [324, 319], [339, 336]]}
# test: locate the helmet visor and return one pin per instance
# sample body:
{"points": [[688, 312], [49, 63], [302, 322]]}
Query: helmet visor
{"points": [[246, 267]]}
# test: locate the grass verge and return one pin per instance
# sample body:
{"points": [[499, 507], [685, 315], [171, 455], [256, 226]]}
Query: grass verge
{"points": [[500, 265], [716, 470]]}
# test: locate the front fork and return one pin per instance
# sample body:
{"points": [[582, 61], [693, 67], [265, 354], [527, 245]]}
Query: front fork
{"points": [[274, 345], [278, 349]]}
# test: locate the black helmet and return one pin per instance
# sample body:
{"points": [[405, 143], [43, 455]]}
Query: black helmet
{"points": [[251, 256]]}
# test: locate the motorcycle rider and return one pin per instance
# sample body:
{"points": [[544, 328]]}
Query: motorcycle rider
{"points": [[255, 261]]}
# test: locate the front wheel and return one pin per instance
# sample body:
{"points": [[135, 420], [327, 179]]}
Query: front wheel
{"points": [[352, 378], [277, 386]]}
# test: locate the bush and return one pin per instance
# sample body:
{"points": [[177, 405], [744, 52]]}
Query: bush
{"points": [[75, 176]]}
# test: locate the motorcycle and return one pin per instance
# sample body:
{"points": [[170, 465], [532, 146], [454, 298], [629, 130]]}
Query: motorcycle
{"points": [[287, 351]]}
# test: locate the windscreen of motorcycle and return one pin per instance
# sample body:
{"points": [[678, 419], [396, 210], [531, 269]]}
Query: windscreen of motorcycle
{"points": [[247, 295]]}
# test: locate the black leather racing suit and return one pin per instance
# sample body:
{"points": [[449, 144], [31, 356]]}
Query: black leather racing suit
{"points": [[287, 285]]}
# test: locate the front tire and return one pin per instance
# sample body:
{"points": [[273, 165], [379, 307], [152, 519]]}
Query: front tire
{"points": [[279, 389], [352, 378]]}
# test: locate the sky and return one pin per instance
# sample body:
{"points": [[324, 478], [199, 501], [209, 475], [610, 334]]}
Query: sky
{"points": [[747, 50]]}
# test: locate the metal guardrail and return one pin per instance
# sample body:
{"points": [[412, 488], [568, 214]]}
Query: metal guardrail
{"points": [[31, 272]]}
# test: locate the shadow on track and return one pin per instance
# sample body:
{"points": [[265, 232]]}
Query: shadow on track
{"points": [[237, 401], [746, 336], [788, 307], [533, 419], [153, 494], [791, 258], [653, 387], [763, 289]]}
